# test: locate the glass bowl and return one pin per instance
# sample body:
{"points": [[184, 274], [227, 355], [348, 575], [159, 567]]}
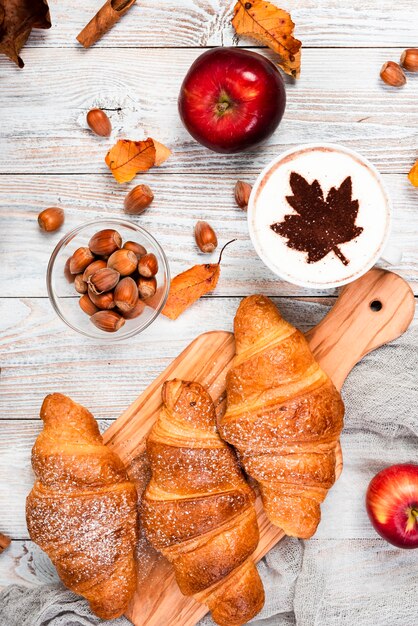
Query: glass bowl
{"points": [[64, 297]]}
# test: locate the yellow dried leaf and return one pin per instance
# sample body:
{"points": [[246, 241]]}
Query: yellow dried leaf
{"points": [[413, 175], [272, 27]]}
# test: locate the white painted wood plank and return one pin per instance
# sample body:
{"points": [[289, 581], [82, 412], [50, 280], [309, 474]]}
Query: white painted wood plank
{"points": [[39, 355], [338, 98], [180, 200], [24, 563], [207, 22]]}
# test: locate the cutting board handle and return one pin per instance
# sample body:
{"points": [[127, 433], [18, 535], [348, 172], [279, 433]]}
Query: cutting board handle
{"points": [[375, 309]]}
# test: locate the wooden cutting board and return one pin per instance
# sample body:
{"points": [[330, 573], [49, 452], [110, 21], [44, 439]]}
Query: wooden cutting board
{"points": [[370, 312]]}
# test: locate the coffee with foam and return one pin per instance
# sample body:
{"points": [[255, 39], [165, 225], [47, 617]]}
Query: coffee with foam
{"points": [[319, 216]]}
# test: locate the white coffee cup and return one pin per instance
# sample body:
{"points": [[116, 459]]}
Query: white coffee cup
{"points": [[330, 164]]}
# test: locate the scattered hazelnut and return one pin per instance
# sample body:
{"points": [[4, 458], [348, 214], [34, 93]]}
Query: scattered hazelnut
{"points": [[242, 193], [138, 199], [81, 258], [87, 305], [103, 280], [205, 237], [148, 265], [126, 294], [51, 219], [99, 122], [109, 321], [123, 261], [105, 242], [135, 312], [409, 59], [392, 74], [93, 267], [79, 284], [136, 248], [104, 301], [146, 287]]}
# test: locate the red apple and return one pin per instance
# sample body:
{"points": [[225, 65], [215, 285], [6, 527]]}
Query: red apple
{"points": [[231, 99], [392, 504]]}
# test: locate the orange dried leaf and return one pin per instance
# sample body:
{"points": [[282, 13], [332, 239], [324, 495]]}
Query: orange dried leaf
{"points": [[126, 158], [272, 27], [161, 153], [189, 286], [413, 175]]}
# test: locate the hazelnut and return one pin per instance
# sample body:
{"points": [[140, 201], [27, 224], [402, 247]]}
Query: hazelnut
{"points": [[136, 248], [392, 74], [93, 267], [205, 237], [51, 219], [102, 301], [109, 321], [242, 193], [138, 199], [81, 258], [105, 242], [148, 265], [126, 294], [123, 261], [79, 284], [99, 122], [135, 312], [70, 277], [87, 305], [146, 287], [409, 59], [103, 280]]}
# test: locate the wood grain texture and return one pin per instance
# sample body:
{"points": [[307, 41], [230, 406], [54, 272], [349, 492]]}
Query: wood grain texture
{"points": [[207, 22], [40, 355], [180, 200], [339, 98]]}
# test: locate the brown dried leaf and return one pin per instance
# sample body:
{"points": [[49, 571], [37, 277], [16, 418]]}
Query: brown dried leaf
{"points": [[17, 18], [413, 175], [126, 158], [272, 27]]}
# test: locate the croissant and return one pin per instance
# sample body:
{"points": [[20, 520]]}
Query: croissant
{"points": [[82, 510], [198, 510], [283, 415]]}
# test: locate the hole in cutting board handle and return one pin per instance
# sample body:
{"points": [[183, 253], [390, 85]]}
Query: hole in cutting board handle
{"points": [[376, 305]]}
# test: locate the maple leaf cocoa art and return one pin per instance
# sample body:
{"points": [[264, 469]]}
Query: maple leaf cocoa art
{"points": [[320, 225], [17, 18]]}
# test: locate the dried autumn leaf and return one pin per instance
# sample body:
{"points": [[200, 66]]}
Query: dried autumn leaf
{"points": [[161, 153], [320, 224], [17, 18], [191, 285], [413, 175], [126, 158], [272, 27]]}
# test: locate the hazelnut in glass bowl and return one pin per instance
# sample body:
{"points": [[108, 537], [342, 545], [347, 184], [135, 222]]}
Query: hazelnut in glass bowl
{"points": [[108, 279]]}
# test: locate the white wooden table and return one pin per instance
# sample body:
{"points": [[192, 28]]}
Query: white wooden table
{"points": [[48, 157]]}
